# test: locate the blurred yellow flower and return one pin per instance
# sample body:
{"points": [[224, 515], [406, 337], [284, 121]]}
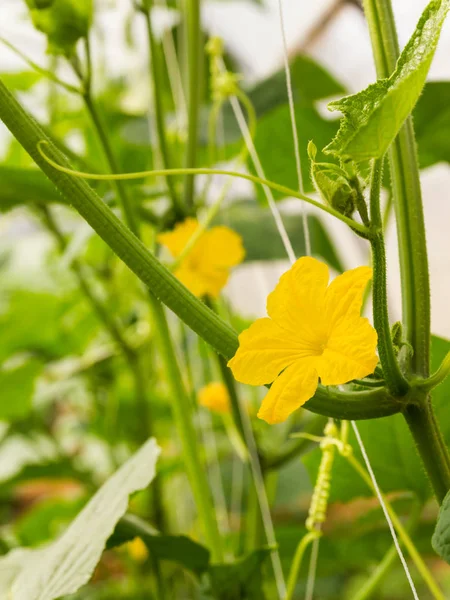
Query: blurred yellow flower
{"points": [[137, 550], [313, 330], [215, 397], [206, 267]]}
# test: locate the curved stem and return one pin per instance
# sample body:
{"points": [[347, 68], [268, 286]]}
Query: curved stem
{"points": [[201, 171], [395, 380], [353, 405], [437, 377], [297, 561], [158, 110]]}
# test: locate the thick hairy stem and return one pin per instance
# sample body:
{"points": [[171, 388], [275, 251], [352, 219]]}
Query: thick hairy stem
{"points": [[407, 200], [391, 370]]}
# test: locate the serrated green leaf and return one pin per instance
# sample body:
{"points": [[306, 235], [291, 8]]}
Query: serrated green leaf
{"points": [[65, 565], [373, 117]]}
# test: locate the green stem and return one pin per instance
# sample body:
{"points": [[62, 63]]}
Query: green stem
{"points": [[297, 561], [194, 56], [390, 558], [341, 405], [401, 531], [203, 171], [45, 72], [157, 86], [407, 198], [395, 380], [126, 205], [182, 411], [428, 439], [437, 377]]}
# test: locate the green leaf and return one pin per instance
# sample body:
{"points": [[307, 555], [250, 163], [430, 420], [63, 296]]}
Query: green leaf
{"points": [[175, 548], [239, 580], [17, 388], [67, 564], [64, 22], [441, 536], [432, 123], [373, 117], [255, 223], [24, 186]]}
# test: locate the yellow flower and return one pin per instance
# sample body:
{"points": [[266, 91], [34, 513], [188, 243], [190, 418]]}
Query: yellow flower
{"points": [[314, 330], [215, 397], [206, 268], [137, 550]]}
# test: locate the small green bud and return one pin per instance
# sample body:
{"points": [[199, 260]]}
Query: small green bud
{"points": [[397, 335], [333, 184], [312, 150], [64, 22]]}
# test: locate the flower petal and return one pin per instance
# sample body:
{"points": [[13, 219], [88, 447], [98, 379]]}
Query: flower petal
{"points": [[222, 247], [214, 281], [192, 280], [176, 240], [265, 349], [349, 353], [344, 296], [289, 391], [297, 303]]}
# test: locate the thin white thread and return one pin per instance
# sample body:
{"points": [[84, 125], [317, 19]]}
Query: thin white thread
{"points": [[306, 233], [311, 581], [240, 118], [383, 506]]}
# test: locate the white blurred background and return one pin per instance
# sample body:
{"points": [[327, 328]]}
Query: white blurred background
{"points": [[334, 33]]}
